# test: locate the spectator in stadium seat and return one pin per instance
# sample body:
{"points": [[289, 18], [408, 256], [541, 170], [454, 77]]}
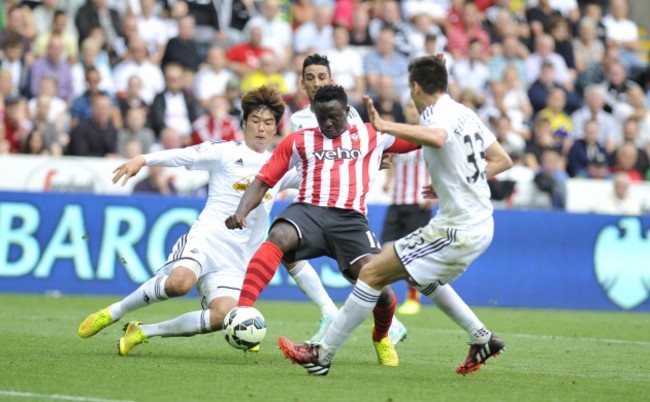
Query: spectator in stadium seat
{"points": [[511, 54], [587, 156], [266, 74], [13, 61], [609, 129], [150, 75], [539, 17], [543, 139], [545, 54], [630, 136], [135, 130], [53, 65], [387, 102], [616, 85], [346, 65], [560, 122], [471, 71], [459, 37], [53, 139], [82, 107], [95, 136], [620, 202], [387, 15], [551, 178], [18, 24], [152, 29], [560, 32], [317, 33], [636, 108], [625, 160], [624, 33], [183, 49], [385, 60], [245, 57], [131, 98], [58, 111], [70, 43], [16, 124], [588, 49], [212, 78], [43, 15], [539, 90], [174, 107], [360, 32], [276, 32], [216, 124], [89, 53], [96, 14], [156, 182]]}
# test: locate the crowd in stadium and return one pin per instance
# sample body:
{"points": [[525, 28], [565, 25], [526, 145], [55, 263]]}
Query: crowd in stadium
{"points": [[562, 83]]}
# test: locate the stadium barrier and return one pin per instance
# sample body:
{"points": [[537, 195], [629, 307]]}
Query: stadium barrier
{"points": [[63, 243]]}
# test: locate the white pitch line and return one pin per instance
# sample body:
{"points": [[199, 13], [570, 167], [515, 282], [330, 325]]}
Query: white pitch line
{"points": [[560, 337], [19, 394]]}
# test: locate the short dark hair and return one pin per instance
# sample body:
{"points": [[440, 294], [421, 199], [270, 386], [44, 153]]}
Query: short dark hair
{"points": [[328, 93], [264, 97], [316, 59], [430, 73]]}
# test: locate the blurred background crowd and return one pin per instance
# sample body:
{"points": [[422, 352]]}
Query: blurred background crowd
{"points": [[564, 84]]}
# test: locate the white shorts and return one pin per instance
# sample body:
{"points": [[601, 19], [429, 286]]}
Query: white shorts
{"points": [[432, 254], [219, 273]]}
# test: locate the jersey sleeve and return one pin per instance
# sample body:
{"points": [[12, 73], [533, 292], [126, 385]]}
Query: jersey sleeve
{"points": [[279, 163], [204, 156], [291, 180]]}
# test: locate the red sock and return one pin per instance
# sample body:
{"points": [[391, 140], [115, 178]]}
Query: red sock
{"points": [[413, 294], [259, 273], [383, 318]]}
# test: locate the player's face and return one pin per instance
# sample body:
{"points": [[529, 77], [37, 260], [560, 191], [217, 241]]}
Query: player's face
{"points": [[314, 77], [332, 118], [259, 129]]}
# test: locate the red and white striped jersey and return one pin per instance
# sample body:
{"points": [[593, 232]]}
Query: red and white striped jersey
{"points": [[334, 172], [409, 175]]}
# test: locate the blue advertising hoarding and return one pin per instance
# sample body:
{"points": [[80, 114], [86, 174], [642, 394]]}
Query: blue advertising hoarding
{"points": [[108, 245]]}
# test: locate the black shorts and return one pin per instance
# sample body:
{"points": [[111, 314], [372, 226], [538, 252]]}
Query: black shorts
{"points": [[403, 219], [342, 234]]}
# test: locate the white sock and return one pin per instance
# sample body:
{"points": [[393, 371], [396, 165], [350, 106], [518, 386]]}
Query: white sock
{"points": [[455, 308], [188, 324], [309, 282], [152, 291], [356, 309]]}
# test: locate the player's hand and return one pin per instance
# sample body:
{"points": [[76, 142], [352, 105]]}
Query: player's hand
{"points": [[429, 193], [236, 221], [128, 169], [386, 161], [373, 115]]}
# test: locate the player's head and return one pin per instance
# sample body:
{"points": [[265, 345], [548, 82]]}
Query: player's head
{"points": [[331, 109], [262, 111], [315, 73], [427, 77]]}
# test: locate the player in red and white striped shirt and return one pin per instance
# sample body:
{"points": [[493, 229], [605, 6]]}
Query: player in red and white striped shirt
{"points": [[337, 163]]}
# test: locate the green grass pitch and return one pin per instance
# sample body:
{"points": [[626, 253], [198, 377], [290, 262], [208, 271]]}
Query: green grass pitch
{"points": [[551, 356]]}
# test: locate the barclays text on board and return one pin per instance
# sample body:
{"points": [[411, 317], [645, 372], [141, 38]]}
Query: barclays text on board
{"points": [[90, 244]]}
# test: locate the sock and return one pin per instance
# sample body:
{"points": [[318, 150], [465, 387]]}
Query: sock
{"points": [[259, 273], [152, 291], [455, 308], [383, 318], [188, 324], [357, 308], [309, 282], [413, 294]]}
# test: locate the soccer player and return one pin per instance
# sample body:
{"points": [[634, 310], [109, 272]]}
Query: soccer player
{"points": [[460, 153], [316, 73], [208, 256], [336, 163], [409, 209]]}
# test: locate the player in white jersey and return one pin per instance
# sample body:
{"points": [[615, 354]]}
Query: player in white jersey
{"points": [[461, 153], [208, 256]]}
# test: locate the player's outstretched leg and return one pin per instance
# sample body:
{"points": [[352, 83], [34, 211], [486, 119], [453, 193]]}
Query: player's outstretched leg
{"points": [[412, 303], [304, 354], [479, 353], [383, 314], [95, 323], [132, 337]]}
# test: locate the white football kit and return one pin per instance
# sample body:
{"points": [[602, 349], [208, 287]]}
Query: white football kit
{"points": [[305, 118], [463, 227], [216, 255]]}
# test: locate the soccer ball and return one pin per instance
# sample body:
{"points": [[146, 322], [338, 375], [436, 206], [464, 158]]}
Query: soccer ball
{"points": [[244, 327]]}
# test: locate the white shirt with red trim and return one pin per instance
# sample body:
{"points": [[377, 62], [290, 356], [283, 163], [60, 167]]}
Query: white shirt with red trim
{"points": [[334, 172], [410, 174]]}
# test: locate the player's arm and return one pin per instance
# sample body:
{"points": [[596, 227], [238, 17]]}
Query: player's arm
{"points": [[267, 177], [497, 159], [427, 136], [250, 200]]}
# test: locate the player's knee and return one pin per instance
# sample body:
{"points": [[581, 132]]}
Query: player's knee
{"points": [[179, 284], [284, 236], [371, 277]]}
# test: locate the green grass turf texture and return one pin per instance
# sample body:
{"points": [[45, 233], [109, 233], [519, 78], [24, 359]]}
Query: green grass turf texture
{"points": [[551, 356]]}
